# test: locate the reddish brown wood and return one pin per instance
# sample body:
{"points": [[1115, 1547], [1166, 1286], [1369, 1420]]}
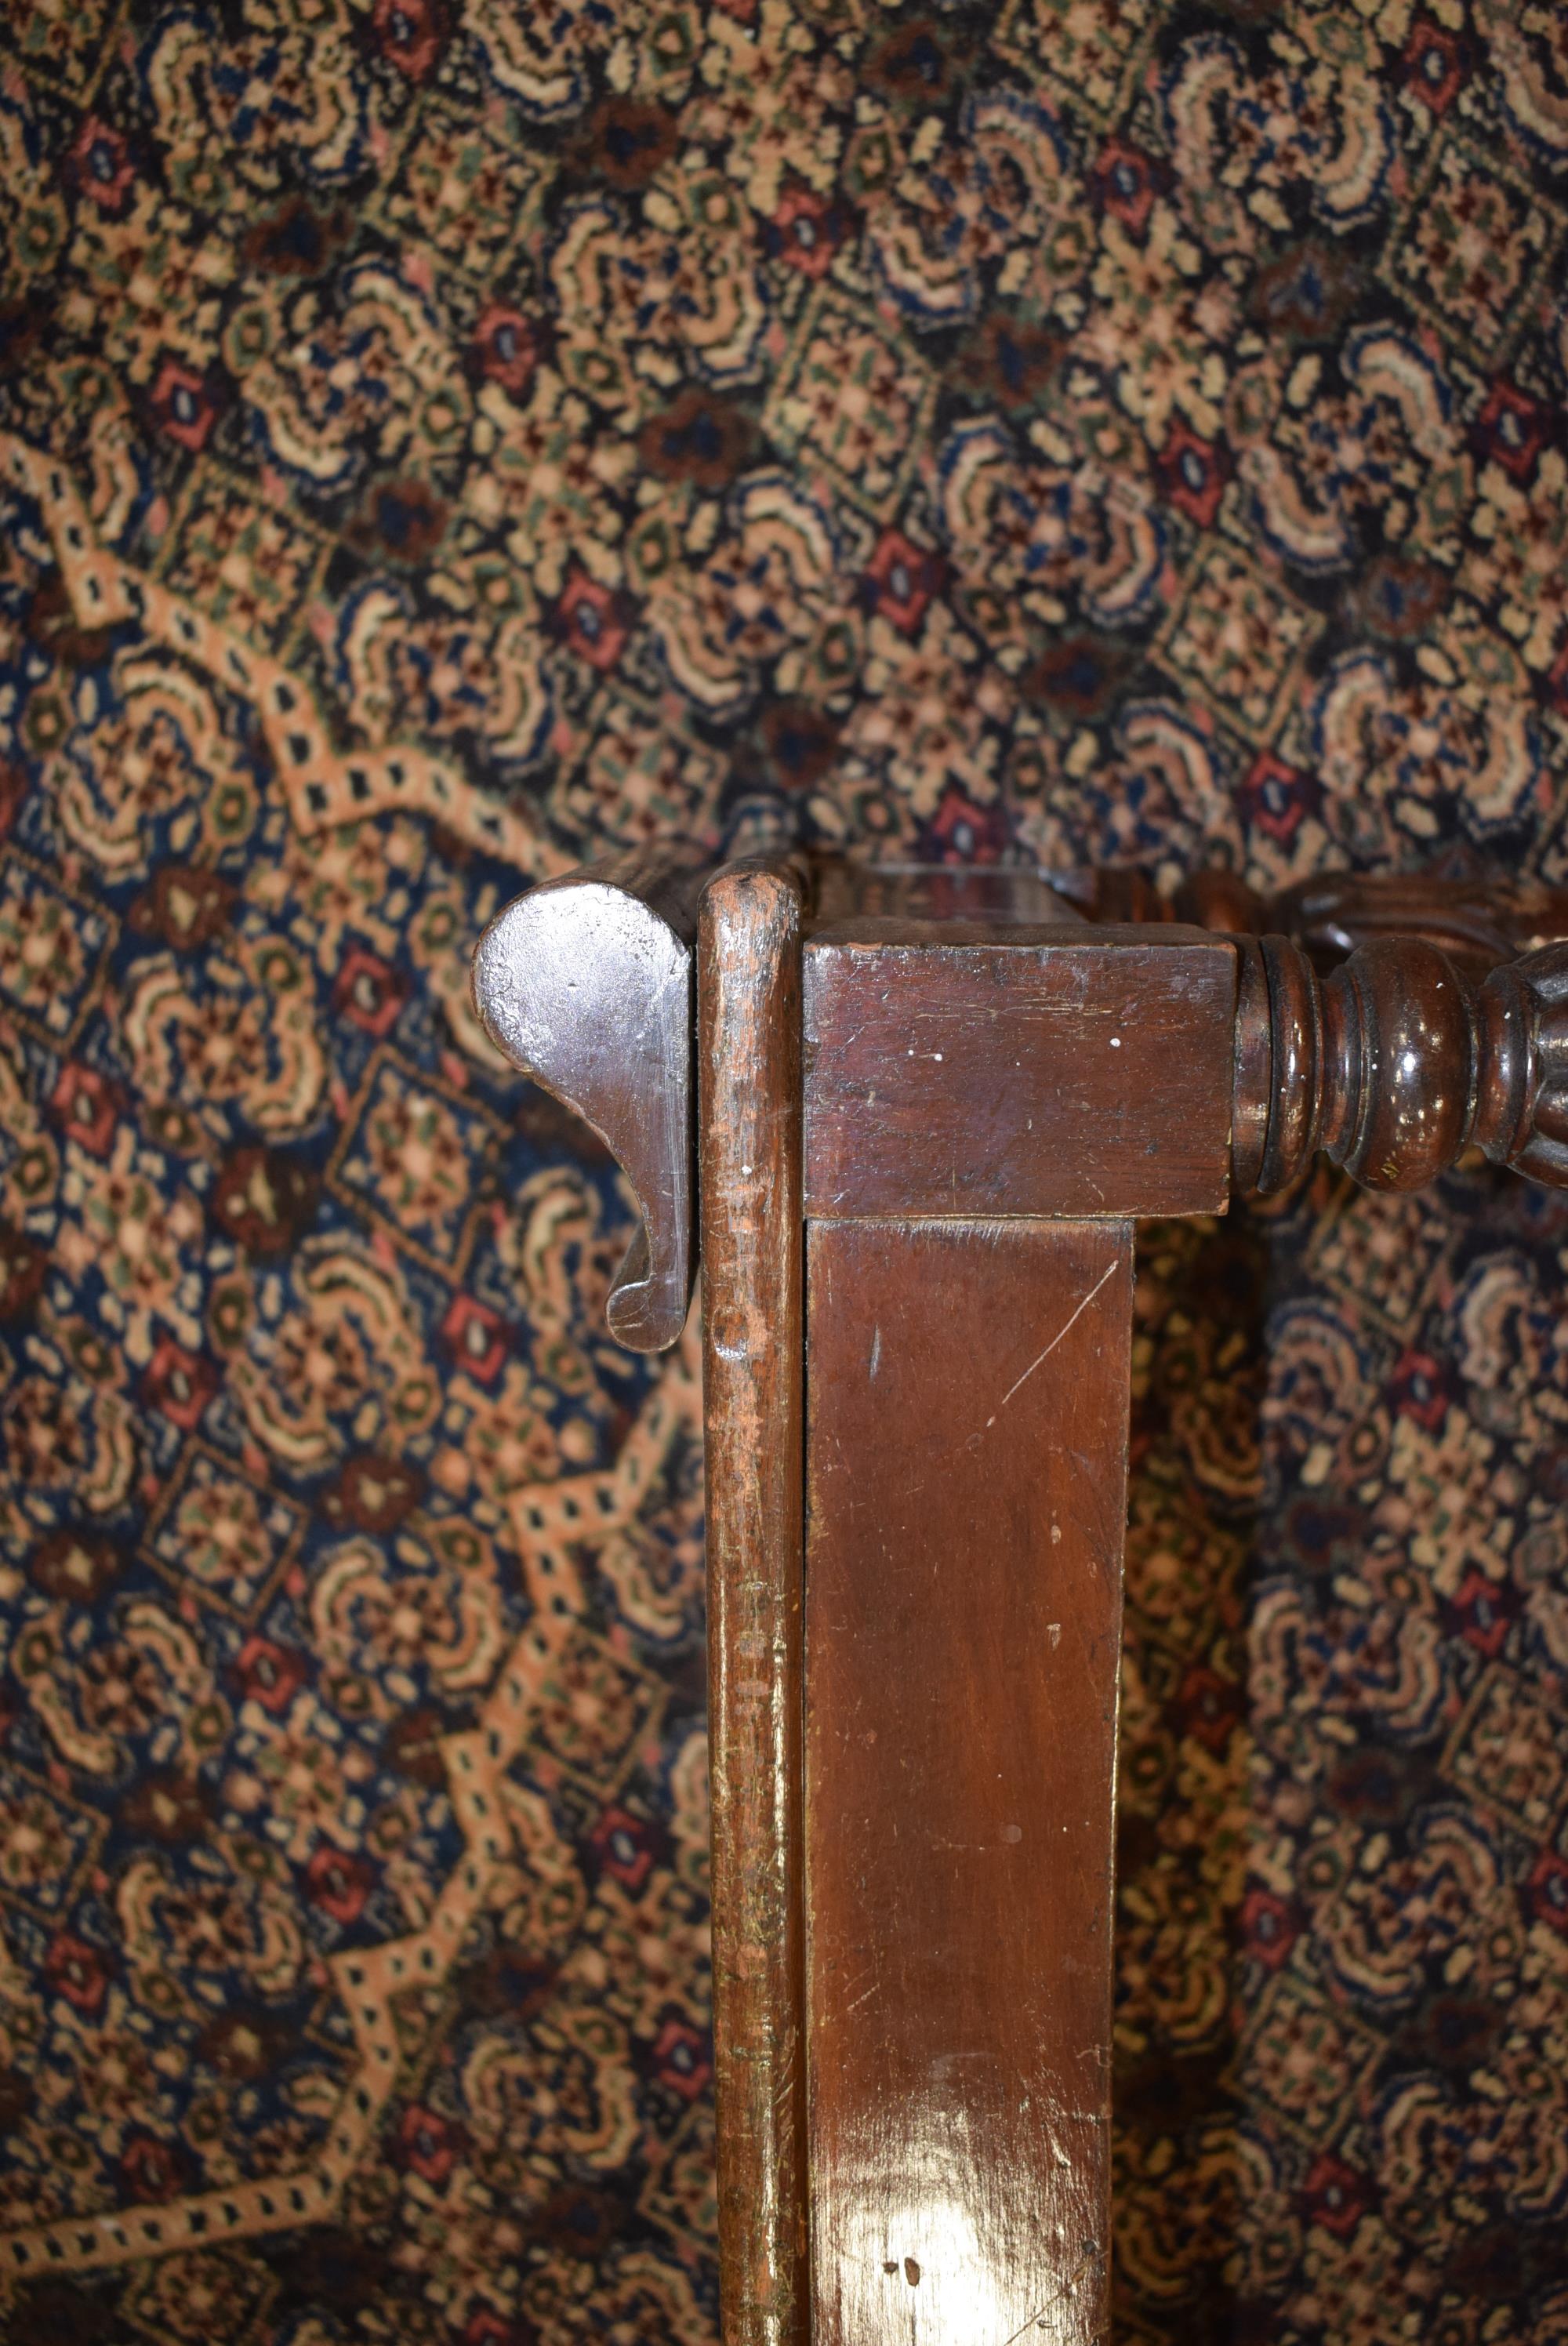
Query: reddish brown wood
{"points": [[957, 1017], [966, 1462], [585, 984], [1018, 1071], [1121, 894], [993, 894], [1398, 1060], [1223, 901], [1485, 921], [978, 1056], [749, 995], [1254, 1064], [1296, 1024]]}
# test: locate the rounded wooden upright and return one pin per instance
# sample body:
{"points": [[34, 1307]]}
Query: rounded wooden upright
{"points": [[748, 1091]]}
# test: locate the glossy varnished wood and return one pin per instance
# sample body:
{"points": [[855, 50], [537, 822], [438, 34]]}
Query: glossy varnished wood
{"points": [[966, 1469], [749, 995], [994, 894], [963, 1070], [976, 1056], [585, 984], [1399, 1059]]}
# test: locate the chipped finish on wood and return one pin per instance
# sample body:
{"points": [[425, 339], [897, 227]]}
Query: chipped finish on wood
{"points": [[1076, 1071], [1400, 1059], [585, 984], [748, 991], [967, 1467]]}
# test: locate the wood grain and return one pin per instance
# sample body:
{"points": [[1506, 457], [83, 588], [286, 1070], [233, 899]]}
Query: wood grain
{"points": [[748, 996], [966, 1448], [1073, 1072]]}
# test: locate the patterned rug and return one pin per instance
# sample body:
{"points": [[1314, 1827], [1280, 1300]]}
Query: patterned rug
{"points": [[440, 438]]}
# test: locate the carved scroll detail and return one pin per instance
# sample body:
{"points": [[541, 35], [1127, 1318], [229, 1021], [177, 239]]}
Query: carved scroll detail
{"points": [[587, 985], [1396, 1061]]}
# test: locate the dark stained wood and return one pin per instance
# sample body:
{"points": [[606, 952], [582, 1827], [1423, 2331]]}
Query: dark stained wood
{"points": [[931, 1080], [1400, 1059], [966, 1470], [1295, 1092], [1253, 1087], [749, 995], [1223, 901], [1486, 920], [1030, 1071], [996, 894], [1121, 894], [971, 1089], [1521, 1075], [585, 984]]}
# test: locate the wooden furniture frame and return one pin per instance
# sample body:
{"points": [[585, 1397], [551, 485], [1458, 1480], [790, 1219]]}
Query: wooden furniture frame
{"points": [[915, 1114]]}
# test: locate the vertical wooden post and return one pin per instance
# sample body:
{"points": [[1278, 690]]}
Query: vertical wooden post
{"points": [[748, 1045], [988, 1104], [966, 1473]]}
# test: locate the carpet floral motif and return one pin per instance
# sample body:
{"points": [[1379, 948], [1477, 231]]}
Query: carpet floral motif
{"points": [[441, 439]]}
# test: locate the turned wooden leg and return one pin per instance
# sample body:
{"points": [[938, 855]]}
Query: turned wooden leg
{"points": [[931, 1106]]}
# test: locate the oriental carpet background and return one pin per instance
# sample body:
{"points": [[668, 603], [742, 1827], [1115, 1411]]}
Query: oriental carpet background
{"points": [[440, 438]]}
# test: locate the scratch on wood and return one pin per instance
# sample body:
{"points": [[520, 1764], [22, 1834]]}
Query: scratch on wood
{"points": [[1065, 1328]]}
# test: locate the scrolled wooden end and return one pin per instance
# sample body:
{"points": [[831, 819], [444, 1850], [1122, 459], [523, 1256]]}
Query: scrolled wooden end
{"points": [[1396, 1061], [587, 985]]}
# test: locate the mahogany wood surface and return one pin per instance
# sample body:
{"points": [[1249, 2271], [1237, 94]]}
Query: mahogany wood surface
{"points": [[1397, 1060], [950, 1092], [1485, 919], [991, 894], [1331, 915], [587, 984], [966, 1460], [748, 991], [961, 1071]]}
